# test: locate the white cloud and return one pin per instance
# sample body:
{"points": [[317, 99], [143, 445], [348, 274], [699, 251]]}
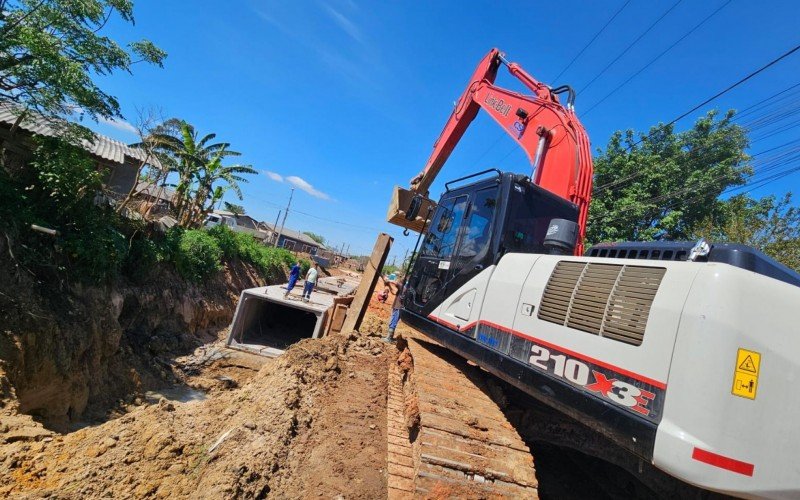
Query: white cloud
{"points": [[344, 23], [272, 175], [119, 124], [301, 184], [349, 64]]}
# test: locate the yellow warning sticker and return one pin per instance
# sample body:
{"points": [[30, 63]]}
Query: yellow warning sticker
{"points": [[745, 374]]}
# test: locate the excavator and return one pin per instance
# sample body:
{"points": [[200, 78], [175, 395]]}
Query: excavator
{"points": [[685, 354]]}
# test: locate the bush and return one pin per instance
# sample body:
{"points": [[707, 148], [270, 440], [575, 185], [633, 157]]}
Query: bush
{"points": [[389, 269], [143, 255], [95, 250], [271, 262], [227, 241], [197, 255], [57, 190]]}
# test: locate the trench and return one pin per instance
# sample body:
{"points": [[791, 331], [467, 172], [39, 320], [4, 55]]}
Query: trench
{"points": [[267, 321], [276, 325]]}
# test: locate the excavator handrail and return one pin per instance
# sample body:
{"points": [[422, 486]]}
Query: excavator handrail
{"points": [[470, 176]]}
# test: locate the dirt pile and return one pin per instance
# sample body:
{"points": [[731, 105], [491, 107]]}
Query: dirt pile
{"points": [[312, 422], [70, 348]]}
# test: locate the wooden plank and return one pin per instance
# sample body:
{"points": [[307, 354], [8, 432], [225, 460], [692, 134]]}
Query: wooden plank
{"points": [[372, 271]]}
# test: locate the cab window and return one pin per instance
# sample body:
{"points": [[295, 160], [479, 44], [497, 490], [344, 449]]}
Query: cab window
{"points": [[442, 238]]}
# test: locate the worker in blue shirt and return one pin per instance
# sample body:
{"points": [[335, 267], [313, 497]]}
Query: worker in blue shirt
{"points": [[294, 275]]}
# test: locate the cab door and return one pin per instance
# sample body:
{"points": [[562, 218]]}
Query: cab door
{"points": [[472, 264], [432, 267], [456, 249]]}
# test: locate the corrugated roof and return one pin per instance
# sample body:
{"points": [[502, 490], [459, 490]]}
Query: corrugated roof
{"points": [[102, 146]]}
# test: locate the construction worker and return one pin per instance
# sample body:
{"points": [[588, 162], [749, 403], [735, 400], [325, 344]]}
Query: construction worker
{"points": [[395, 318], [311, 280], [294, 275]]}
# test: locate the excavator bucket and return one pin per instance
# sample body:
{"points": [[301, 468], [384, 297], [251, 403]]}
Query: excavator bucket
{"points": [[409, 210]]}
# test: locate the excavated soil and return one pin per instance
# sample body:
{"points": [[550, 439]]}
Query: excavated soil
{"points": [[310, 423]]}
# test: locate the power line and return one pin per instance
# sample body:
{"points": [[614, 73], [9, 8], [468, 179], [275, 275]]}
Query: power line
{"points": [[592, 40], [610, 20], [629, 46], [491, 147], [776, 161], [756, 179], [659, 56], [733, 86], [695, 108], [337, 222], [784, 128], [746, 111], [260, 200]]}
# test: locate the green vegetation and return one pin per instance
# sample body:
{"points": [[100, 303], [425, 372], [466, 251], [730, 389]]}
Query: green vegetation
{"points": [[271, 261], [50, 52], [233, 208], [58, 191], [771, 224], [316, 237], [667, 185], [51, 49], [389, 269], [197, 255], [197, 161], [94, 244]]}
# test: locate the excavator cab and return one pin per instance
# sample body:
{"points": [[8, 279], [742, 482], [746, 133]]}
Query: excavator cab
{"points": [[473, 226]]}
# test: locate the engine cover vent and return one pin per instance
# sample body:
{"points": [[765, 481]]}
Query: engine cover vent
{"points": [[603, 299]]}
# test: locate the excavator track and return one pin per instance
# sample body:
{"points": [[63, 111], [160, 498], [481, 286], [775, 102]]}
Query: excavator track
{"points": [[447, 437]]}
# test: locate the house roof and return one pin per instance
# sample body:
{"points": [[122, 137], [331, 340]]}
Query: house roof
{"points": [[149, 189], [102, 146], [240, 219], [295, 235]]}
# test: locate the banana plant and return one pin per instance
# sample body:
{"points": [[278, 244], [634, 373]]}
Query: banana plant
{"points": [[198, 167]]}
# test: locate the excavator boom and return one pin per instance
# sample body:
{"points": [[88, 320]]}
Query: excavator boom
{"points": [[548, 131]]}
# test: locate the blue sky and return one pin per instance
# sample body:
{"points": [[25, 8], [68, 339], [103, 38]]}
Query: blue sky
{"points": [[343, 99]]}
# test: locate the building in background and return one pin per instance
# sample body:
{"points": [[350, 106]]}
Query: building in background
{"points": [[118, 161], [292, 240], [161, 197]]}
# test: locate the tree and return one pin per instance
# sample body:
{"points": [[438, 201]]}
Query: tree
{"points": [[770, 224], [233, 208], [50, 50], [666, 183], [198, 165], [316, 237], [148, 121]]}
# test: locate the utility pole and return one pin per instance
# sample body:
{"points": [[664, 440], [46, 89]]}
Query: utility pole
{"points": [[274, 227], [347, 251], [277, 241]]}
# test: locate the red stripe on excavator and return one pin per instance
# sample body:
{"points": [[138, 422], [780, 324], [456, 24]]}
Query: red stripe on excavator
{"points": [[621, 371], [723, 462]]}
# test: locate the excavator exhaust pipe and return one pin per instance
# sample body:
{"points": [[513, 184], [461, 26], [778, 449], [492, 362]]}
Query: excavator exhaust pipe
{"points": [[409, 210]]}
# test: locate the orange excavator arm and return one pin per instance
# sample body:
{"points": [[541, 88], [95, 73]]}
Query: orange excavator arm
{"points": [[549, 132]]}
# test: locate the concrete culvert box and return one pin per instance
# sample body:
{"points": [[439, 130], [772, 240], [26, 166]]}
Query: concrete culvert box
{"points": [[266, 322]]}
